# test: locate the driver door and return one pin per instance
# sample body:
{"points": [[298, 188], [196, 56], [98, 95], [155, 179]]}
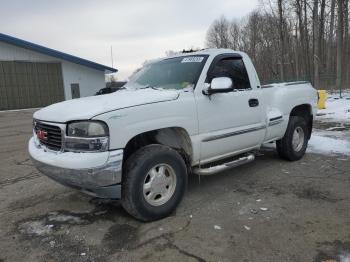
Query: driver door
{"points": [[231, 122]]}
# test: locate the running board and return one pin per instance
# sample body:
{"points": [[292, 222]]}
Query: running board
{"points": [[222, 167]]}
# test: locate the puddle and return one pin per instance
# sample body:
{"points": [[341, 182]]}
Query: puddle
{"points": [[120, 237], [53, 232], [53, 221], [62, 233], [313, 194]]}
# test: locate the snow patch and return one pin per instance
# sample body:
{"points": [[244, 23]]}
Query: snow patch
{"points": [[344, 258], [337, 109], [216, 227], [64, 218], [52, 243], [37, 228], [247, 228], [322, 144]]}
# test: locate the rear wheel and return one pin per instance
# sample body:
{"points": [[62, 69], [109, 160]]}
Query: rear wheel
{"points": [[154, 182], [293, 145]]}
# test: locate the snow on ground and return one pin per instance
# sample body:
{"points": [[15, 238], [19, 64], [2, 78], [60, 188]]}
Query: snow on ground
{"points": [[335, 139], [328, 143], [38, 228], [337, 109]]}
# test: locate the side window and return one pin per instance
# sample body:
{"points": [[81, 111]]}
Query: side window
{"points": [[233, 68]]}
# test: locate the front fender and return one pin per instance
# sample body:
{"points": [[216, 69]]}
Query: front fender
{"points": [[124, 124]]}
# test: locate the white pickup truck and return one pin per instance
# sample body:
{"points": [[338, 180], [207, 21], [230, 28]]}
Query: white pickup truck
{"points": [[201, 112]]}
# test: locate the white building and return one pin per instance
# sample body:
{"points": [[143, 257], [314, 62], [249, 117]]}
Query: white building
{"points": [[34, 76]]}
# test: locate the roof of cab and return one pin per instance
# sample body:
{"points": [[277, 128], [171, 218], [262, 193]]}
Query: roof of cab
{"points": [[208, 51]]}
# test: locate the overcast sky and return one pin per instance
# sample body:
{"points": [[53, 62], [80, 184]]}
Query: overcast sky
{"points": [[137, 30]]}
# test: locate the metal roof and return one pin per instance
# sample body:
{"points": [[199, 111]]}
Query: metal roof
{"points": [[54, 53]]}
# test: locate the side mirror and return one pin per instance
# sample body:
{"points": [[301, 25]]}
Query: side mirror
{"points": [[219, 85]]}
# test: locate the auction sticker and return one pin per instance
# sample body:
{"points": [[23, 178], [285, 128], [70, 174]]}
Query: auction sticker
{"points": [[192, 59]]}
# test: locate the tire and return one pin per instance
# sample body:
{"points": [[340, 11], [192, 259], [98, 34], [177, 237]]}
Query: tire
{"points": [[144, 167], [285, 147]]}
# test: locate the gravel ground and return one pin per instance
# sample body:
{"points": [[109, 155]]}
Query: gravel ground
{"points": [[268, 210]]}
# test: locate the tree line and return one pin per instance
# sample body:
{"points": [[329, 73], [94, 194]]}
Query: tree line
{"points": [[292, 40]]}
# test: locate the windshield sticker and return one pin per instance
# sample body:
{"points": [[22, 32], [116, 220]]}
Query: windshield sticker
{"points": [[192, 59]]}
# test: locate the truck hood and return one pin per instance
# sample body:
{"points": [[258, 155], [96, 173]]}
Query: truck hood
{"points": [[88, 107]]}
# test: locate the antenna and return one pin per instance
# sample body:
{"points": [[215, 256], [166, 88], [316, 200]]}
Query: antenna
{"points": [[112, 55]]}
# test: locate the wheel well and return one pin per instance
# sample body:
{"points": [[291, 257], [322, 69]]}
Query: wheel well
{"points": [[305, 112], [174, 137]]}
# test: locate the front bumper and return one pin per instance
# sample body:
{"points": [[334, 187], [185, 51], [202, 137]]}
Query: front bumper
{"points": [[98, 174]]}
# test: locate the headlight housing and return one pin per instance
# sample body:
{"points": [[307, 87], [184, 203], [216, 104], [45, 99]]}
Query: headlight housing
{"points": [[86, 136]]}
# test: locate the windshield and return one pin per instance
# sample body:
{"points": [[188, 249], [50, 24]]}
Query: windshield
{"points": [[172, 73]]}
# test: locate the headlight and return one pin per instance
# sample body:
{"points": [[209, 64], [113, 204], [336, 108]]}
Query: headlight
{"points": [[87, 129], [87, 136]]}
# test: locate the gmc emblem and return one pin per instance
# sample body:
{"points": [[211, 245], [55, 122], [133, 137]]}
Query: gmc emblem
{"points": [[41, 134]]}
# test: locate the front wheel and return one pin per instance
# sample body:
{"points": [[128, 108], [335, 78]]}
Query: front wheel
{"points": [[154, 182], [293, 145]]}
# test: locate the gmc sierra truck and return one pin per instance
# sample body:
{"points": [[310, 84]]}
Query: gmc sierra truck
{"points": [[195, 113]]}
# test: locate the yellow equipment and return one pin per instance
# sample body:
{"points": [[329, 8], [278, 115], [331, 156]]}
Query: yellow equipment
{"points": [[322, 97]]}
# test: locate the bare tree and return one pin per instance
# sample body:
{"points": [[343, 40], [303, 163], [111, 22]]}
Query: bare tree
{"points": [[340, 44], [218, 33], [330, 37], [316, 44], [307, 46], [292, 39], [321, 30], [281, 33], [299, 13], [346, 44], [234, 34]]}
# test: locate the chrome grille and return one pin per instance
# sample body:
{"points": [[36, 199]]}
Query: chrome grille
{"points": [[53, 135]]}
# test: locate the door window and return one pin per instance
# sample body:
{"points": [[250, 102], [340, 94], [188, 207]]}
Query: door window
{"points": [[233, 68]]}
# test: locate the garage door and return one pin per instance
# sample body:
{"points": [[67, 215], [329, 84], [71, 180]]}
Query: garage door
{"points": [[30, 85]]}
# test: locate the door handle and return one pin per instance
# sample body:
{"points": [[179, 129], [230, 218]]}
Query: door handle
{"points": [[253, 102]]}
